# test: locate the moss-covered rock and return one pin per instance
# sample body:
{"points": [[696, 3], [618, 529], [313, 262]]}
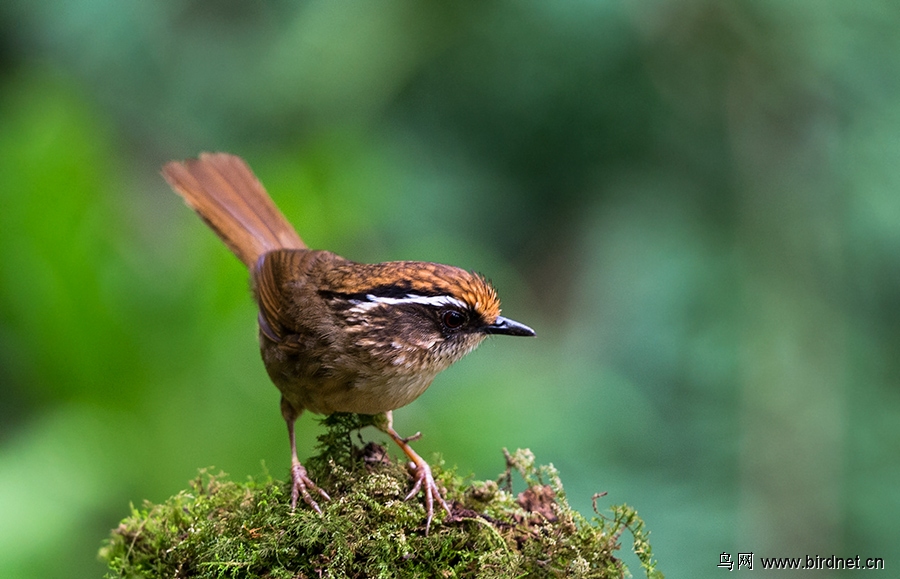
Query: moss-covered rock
{"points": [[220, 528]]}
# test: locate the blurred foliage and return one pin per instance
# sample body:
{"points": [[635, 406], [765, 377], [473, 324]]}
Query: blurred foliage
{"points": [[694, 203]]}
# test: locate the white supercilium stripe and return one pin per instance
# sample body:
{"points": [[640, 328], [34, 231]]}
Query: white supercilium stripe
{"points": [[414, 299]]}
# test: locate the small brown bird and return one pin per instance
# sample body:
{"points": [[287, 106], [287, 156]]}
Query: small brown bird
{"points": [[335, 335]]}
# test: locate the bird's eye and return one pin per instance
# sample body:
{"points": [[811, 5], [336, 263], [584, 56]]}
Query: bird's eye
{"points": [[453, 319]]}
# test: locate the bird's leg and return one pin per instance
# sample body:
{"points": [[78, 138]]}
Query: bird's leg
{"points": [[421, 471], [301, 484]]}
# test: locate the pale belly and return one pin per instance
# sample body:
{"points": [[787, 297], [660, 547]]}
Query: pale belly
{"points": [[360, 397]]}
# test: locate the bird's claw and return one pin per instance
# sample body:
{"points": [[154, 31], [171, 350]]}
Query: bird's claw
{"points": [[426, 484], [424, 480], [301, 484], [412, 438]]}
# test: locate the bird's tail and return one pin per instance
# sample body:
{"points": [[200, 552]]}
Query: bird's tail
{"points": [[226, 194]]}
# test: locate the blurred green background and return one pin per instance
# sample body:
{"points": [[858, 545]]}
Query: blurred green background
{"points": [[696, 204]]}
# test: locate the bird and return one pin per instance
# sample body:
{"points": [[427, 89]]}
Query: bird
{"points": [[336, 335]]}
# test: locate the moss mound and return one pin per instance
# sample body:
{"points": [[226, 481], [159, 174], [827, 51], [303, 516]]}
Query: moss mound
{"points": [[219, 528]]}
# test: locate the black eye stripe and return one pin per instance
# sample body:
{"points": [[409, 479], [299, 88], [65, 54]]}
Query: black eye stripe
{"points": [[401, 289]]}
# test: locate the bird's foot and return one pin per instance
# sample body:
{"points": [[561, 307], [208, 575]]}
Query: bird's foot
{"points": [[424, 480], [426, 484], [301, 484]]}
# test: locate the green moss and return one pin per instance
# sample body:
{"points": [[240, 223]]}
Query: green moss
{"points": [[219, 528]]}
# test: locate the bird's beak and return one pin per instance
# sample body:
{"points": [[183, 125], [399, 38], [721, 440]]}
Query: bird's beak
{"points": [[508, 327]]}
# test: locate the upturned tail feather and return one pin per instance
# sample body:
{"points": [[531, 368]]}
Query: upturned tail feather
{"points": [[226, 194]]}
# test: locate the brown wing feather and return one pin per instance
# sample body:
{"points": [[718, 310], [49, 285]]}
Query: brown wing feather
{"points": [[286, 284], [226, 194]]}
